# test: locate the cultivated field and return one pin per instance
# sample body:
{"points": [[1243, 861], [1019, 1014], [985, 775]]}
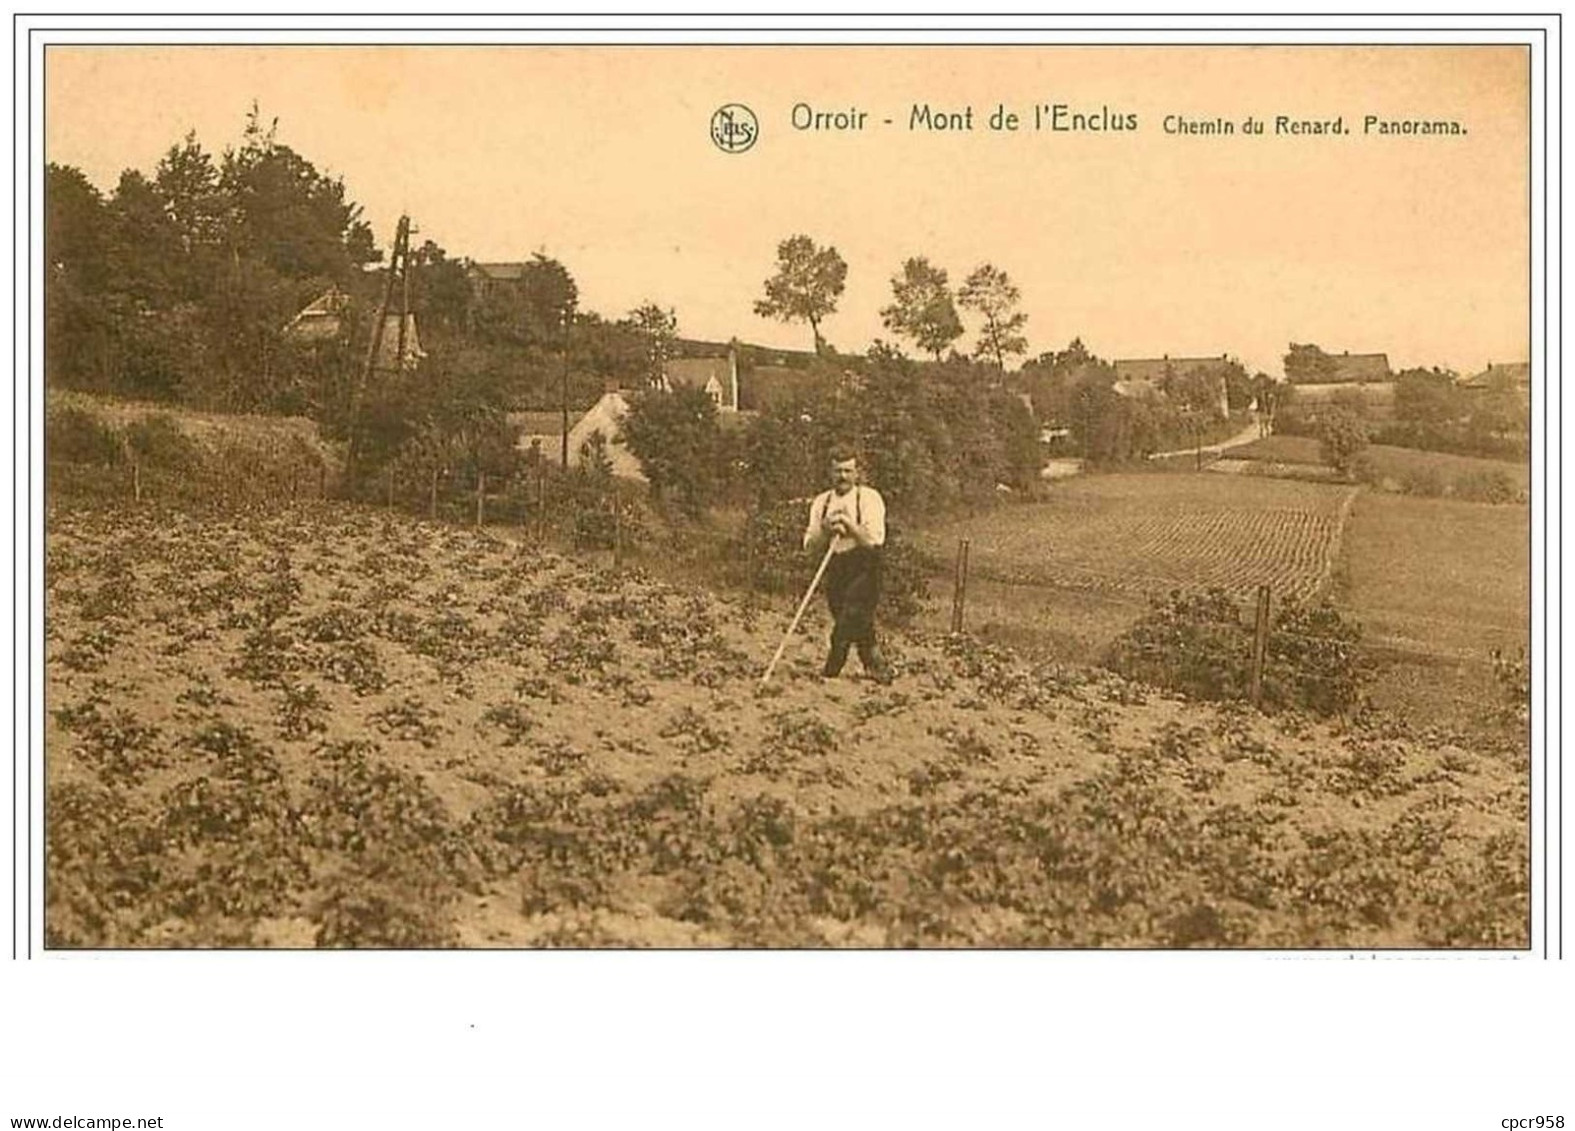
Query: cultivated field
{"points": [[1130, 536], [326, 727]]}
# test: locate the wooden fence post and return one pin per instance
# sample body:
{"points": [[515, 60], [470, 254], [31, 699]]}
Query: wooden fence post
{"points": [[617, 530], [541, 505], [481, 490], [136, 479], [433, 509], [1260, 640], [960, 585], [962, 593]]}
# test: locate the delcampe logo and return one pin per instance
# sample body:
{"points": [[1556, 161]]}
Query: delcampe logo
{"points": [[734, 128]]}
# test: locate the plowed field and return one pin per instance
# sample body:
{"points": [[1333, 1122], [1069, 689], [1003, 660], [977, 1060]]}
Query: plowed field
{"points": [[1139, 534]]}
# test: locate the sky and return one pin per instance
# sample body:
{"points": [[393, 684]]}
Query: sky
{"points": [[1142, 243]]}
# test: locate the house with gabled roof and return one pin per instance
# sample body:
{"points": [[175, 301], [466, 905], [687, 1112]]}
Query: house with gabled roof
{"points": [[1359, 367], [717, 377], [1139, 377], [543, 431], [484, 276], [1353, 368], [321, 320], [1501, 375]]}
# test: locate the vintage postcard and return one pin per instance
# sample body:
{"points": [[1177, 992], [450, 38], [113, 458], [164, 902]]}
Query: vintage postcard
{"points": [[685, 496]]}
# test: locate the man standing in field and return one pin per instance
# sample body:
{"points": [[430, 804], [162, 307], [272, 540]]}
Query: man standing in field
{"points": [[851, 519]]}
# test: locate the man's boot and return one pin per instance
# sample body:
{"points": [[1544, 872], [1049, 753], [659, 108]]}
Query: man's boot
{"points": [[835, 658], [874, 663]]}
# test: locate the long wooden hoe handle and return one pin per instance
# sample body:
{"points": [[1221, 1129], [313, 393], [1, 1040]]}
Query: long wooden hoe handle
{"points": [[798, 616]]}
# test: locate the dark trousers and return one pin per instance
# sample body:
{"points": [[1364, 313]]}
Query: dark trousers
{"points": [[852, 592]]}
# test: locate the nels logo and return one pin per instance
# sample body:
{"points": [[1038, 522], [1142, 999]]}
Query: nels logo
{"points": [[734, 128]]}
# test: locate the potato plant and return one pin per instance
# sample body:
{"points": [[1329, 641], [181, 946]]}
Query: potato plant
{"points": [[334, 727]]}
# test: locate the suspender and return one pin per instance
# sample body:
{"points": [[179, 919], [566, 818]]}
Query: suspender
{"points": [[858, 506]]}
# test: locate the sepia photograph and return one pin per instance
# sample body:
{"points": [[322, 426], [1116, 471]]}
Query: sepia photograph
{"points": [[749, 496]]}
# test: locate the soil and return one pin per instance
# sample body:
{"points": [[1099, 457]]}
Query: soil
{"points": [[330, 727]]}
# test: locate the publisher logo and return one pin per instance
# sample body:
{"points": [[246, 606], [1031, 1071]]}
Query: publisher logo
{"points": [[734, 128]]}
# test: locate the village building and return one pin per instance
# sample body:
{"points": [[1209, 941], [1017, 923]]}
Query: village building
{"points": [[322, 319], [541, 434], [717, 377], [1144, 377], [1352, 368], [486, 276], [1512, 378]]}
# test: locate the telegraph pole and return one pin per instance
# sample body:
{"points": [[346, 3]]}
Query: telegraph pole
{"points": [[568, 320], [401, 252]]}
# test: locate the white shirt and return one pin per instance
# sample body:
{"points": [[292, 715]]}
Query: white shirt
{"points": [[861, 505]]}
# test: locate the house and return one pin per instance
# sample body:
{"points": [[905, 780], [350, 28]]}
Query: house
{"points": [[1500, 376], [1511, 379], [544, 431], [1353, 368], [716, 376], [388, 347], [321, 320], [1141, 377], [485, 276]]}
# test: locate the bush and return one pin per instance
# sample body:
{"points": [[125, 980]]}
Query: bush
{"points": [[1512, 675], [1341, 438], [1486, 487], [1199, 644], [768, 557], [159, 442], [1191, 642], [74, 435], [1422, 481], [1313, 660]]}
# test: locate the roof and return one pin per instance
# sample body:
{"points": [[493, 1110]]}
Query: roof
{"points": [[542, 423], [1503, 375], [766, 385], [320, 317], [1152, 369], [695, 372], [501, 271], [1348, 367]]}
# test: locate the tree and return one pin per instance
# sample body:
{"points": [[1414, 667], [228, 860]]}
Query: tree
{"points": [[808, 282], [989, 292], [443, 291], [677, 441], [1196, 390], [282, 211], [1425, 396], [658, 329], [1308, 365], [923, 310], [1341, 438]]}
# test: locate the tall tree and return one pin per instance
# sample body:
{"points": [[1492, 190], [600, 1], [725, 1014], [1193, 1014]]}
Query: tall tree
{"points": [[286, 214], [658, 329], [808, 282], [989, 292], [923, 310]]}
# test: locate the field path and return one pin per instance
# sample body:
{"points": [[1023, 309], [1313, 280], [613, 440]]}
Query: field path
{"points": [[1246, 436]]}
